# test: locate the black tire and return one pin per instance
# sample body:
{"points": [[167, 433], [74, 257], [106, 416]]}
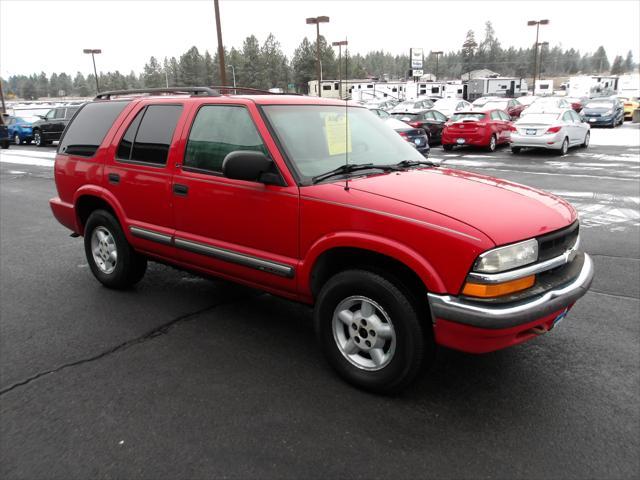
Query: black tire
{"points": [[5, 144], [17, 140], [516, 150], [493, 144], [38, 139], [587, 137], [564, 148], [412, 341], [130, 266], [448, 148]]}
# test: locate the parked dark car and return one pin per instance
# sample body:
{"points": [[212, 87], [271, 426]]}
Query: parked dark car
{"points": [[607, 112], [50, 127], [416, 136], [4, 133], [432, 121]]}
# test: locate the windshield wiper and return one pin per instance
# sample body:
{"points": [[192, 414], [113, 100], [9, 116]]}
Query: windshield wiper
{"points": [[415, 163], [352, 167]]}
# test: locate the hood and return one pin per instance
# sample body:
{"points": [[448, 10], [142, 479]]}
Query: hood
{"points": [[504, 211]]}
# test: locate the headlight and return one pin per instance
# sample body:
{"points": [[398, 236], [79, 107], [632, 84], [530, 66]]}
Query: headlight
{"points": [[509, 257]]}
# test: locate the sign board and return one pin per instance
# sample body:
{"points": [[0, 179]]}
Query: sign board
{"points": [[417, 73], [415, 54]]}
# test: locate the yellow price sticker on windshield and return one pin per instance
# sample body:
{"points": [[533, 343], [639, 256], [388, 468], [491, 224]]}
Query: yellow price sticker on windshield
{"points": [[338, 134]]}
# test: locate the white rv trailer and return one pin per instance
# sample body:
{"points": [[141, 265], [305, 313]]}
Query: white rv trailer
{"points": [[592, 86]]}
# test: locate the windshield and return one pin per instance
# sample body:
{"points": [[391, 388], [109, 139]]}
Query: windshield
{"points": [[539, 118], [317, 138], [599, 105], [457, 117]]}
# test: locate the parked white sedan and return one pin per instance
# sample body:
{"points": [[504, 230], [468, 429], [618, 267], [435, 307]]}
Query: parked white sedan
{"points": [[449, 106], [557, 131]]}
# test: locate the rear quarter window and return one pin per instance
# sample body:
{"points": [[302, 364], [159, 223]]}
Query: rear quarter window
{"points": [[85, 133]]}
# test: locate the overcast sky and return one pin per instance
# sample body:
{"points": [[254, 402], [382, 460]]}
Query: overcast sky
{"points": [[50, 35]]}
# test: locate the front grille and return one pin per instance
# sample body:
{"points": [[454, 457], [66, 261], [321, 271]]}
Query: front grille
{"points": [[556, 243]]}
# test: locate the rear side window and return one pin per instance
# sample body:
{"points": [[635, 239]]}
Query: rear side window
{"points": [[70, 112], [84, 135], [148, 138], [59, 113], [217, 131]]}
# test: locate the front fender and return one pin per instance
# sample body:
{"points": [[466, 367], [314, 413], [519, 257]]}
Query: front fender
{"points": [[375, 244]]}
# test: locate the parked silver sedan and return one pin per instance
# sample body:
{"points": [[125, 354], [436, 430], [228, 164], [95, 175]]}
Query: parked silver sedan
{"points": [[556, 131]]}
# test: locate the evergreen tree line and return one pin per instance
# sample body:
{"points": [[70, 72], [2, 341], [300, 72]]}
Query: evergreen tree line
{"points": [[266, 66]]}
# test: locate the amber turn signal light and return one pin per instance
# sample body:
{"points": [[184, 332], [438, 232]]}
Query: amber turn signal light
{"points": [[498, 289]]}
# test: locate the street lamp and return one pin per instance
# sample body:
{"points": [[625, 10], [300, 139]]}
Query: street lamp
{"points": [[93, 52], [537, 23], [233, 72], [317, 21], [541, 45], [437, 54], [339, 45]]}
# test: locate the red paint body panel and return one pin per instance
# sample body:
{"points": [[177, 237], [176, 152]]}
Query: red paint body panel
{"points": [[434, 221], [483, 340]]}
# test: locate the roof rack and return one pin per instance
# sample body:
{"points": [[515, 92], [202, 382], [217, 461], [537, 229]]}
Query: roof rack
{"points": [[202, 91], [227, 89]]}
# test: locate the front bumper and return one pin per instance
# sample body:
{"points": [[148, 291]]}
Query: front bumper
{"points": [[599, 121], [479, 328]]}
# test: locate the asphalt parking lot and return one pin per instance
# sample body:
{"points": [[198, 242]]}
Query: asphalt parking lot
{"points": [[185, 377]]}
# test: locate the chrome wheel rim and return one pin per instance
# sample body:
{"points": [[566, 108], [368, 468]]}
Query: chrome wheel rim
{"points": [[364, 333], [36, 138], [586, 139], [16, 139], [103, 248], [565, 146], [492, 144]]}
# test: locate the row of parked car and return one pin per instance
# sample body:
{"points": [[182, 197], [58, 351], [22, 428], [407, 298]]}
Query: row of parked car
{"points": [[551, 123], [39, 129]]}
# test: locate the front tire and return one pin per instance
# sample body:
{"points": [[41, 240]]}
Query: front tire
{"points": [[38, 139], [111, 259], [17, 140], [370, 331]]}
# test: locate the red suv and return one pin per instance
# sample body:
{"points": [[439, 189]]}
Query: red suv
{"points": [[321, 203]]}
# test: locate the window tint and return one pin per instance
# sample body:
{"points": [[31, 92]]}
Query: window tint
{"points": [[124, 149], [155, 132], [88, 129], [439, 116], [495, 115], [71, 111], [567, 117], [428, 116], [59, 113], [575, 116], [505, 116], [217, 131]]}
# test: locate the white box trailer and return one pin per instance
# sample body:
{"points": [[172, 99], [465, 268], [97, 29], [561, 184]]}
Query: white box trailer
{"points": [[543, 87], [499, 86], [358, 89], [592, 86], [629, 85]]}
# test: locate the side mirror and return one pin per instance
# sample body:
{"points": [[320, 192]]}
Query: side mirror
{"points": [[251, 166]]}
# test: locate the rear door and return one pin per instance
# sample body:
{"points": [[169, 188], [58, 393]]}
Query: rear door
{"points": [[139, 169], [498, 125], [571, 127], [46, 127], [241, 229]]}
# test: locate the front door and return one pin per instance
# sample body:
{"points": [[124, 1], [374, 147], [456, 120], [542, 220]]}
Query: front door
{"points": [[244, 230]]}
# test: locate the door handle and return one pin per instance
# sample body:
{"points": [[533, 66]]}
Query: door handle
{"points": [[180, 189], [114, 178]]}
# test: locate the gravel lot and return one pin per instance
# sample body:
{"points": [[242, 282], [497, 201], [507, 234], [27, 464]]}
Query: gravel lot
{"points": [[185, 377]]}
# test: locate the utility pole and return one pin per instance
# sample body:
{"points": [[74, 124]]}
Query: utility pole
{"points": [[223, 73], [339, 45], [537, 23], [93, 52], [437, 54], [317, 21]]}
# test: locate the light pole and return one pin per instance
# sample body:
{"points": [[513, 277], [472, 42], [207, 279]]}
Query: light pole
{"points": [[317, 21], [339, 45], [537, 23], [223, 73], [541, 45], [437, 54], [93, 52], [233, 72]]}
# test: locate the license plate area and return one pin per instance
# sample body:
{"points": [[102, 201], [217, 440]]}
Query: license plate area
{"points": [[460, 141], [530, 131]]}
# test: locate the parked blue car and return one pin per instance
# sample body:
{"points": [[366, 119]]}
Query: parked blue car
{"points": [[20, 130]]}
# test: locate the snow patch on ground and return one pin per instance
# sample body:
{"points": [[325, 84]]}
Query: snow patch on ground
{"points": [[38, 159], [625, 135]]}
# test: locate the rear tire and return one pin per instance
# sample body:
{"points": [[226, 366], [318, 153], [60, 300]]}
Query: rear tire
{"points": [[38, 139], [4, 144], [370, 331], [17, 140], [564, 148], [493, 142], [587, 137], [447, 148], [111, 259]]}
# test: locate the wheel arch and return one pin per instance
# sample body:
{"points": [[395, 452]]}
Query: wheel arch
{"points": [[90, 199]]}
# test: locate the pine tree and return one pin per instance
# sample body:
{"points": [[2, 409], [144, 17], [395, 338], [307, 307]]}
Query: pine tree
{"points": [[192, 71], [251, 68], [304, 65], [618, 65], [600, 62], [80, 87], [54, 87], [628, 62], [468, 51], [42, 85], [152, 76], [209, 69], [29, 90]]}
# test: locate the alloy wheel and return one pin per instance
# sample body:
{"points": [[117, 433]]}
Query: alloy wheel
{"points": [[364, 333], [105, 252], [16, 139]]}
